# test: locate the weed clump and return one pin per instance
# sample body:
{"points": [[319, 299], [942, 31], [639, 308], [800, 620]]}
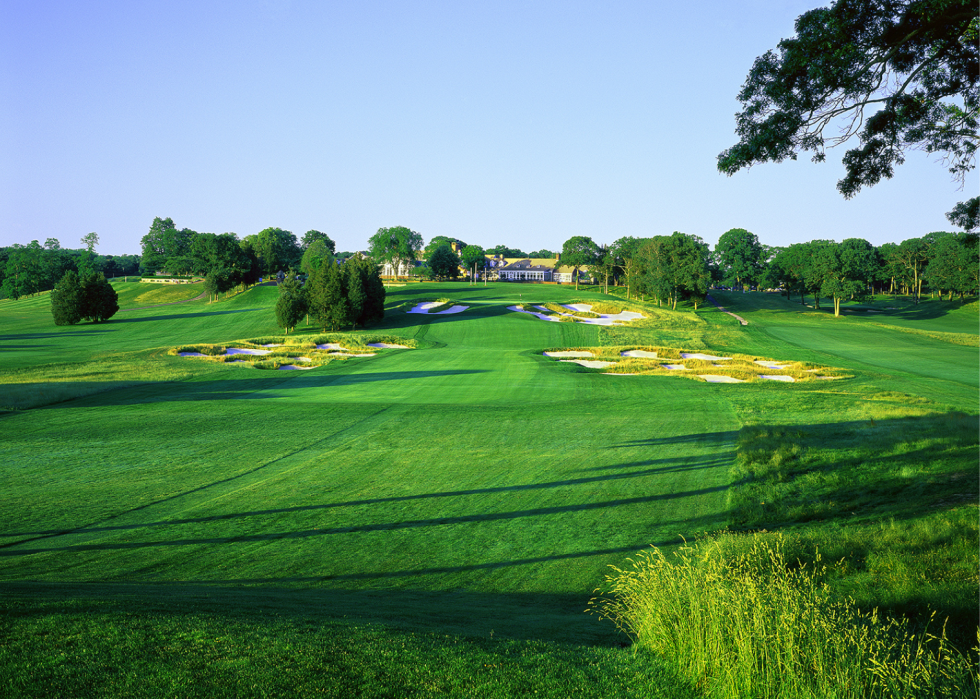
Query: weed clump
{"points": [[740, 620]]}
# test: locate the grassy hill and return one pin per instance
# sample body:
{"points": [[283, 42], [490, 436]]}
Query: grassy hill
{"points": [[434, 521]]}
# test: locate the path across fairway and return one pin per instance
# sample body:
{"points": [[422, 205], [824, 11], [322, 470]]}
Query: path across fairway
{"points": [[157, 305]]}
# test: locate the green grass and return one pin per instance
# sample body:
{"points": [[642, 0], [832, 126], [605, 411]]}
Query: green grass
{"points": [[434, 520]]}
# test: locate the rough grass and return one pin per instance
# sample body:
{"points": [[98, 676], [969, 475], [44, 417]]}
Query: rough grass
{"points": [[741, 619]]}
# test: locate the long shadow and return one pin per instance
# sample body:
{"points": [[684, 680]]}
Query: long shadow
{"points": [[101, 330], [363, 528], [176, 316], [727, 436], [707, 463]]}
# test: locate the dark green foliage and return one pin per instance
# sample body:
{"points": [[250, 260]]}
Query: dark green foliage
{"points": [[966, 214], [66, 297], [674, 267], [312, 236], [291, 305], [345, 295], [276, 249], [99, 300], [505, 251], [913, 61], [398, 246], [739, 257], [317, 253], [444, 263], [218, 281], [577, 252]]}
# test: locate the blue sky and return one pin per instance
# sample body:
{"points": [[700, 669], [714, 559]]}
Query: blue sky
{"points": [[516, 123]]}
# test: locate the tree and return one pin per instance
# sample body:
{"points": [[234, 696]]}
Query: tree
{"points": [[327, 297], [398, 246], [312, 236], [966, 214], [542, 254], [953, 267], [164, 243], [444, 263], [217, 281], [276, 249], [505, 251], [291, 304], [441, 240], [604, 265], [578, 252], [911, 63], [674, 267], [474, 258], [317, 254], [625, 251], [99, 300], [846, 269], [740, 256], [90, 241], [66, 305]]}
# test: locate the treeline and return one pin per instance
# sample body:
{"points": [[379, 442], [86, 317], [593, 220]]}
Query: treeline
{"points": [[26, 270], [335, 296], [682, 266]]}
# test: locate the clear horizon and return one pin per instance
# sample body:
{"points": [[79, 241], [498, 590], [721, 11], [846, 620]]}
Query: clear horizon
{"points": [[495, 124]]}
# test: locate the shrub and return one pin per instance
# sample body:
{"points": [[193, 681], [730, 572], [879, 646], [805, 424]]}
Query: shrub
{"points": [[739, 621]]}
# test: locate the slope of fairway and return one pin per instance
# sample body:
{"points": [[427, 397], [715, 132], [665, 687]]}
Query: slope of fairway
{"points": [[461, 501]]}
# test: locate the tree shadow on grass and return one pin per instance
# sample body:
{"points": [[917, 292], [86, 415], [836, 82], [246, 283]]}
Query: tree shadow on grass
{"points": [[177, 316], [663, 467]]}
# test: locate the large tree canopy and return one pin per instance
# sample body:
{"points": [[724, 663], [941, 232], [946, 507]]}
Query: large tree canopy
{"points": [[396, 245], [895, 74]]}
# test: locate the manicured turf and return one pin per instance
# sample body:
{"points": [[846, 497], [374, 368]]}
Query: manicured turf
{"points": [[468, 495]]}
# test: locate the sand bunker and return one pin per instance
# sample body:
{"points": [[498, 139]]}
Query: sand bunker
{"points": [[387, 345], [675, 367], [331, 346], [772, 365], [424, 308], [720, 378], [568, 353], [348, 354], [771, 377], [590, 363], [625, 316], [191, 354], [706, 357], [236, 350], [272, 345], [646, 354], [291, 367]]}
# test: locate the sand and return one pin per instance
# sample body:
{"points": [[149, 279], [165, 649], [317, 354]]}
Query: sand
{"points": [[191, 354], [625, 316], [568, 353], [291, 367], [674, 367], [772, 365], [771, 377], [591, 364], [424, 308], [236, 350], [331, 346], [719, 378], [646, 354], [706, 357], [386, 345]]}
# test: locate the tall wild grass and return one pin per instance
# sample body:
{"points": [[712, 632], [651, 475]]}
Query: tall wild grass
{"points": [[740, 621]]}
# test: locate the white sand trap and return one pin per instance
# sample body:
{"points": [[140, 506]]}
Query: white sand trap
{"points": [[236, 350], [387, 345], [674, 367], [272, 345], [646, 354], [772, 365], [191, 354], [424, 308], [719, 378], [331, 346], [291, 367], [602, 320], [304, 359], [568, 353], [706, 357], [591, 364], [454, 309], [770, 377], [348, 354]]}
